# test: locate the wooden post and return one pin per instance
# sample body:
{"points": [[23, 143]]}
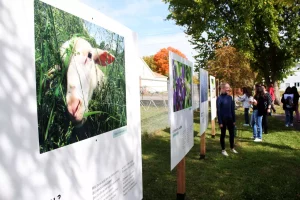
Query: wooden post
{"points": [[202, 146], [213, 128], [181, 180]]}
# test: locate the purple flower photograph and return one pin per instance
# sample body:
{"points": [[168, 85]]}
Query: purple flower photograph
{"points": [[182, 86]]}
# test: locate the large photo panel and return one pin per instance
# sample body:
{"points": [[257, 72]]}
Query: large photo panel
{"points": [[70, 104], [80, 78], [180, 107]]}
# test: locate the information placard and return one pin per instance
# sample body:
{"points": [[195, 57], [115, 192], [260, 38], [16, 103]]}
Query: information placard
{"points": [[213, 97], [70, 114], [203, 100], [180, 107]]}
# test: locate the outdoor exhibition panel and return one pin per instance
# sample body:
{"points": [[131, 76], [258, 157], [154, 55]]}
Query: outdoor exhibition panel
{"points": [[203, 100], [180, 107], [213, 97], [69, 104]]}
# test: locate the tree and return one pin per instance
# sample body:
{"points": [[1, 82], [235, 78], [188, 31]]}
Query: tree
{"points": [[161, 59], [265, 31], [229, 65], [150, 62]]}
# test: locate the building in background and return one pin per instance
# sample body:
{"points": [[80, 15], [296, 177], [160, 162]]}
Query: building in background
{"points": [[292, 80], [150, 81]]}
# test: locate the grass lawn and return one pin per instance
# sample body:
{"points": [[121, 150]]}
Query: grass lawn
{"points": [[267, 170], [154, 119]]}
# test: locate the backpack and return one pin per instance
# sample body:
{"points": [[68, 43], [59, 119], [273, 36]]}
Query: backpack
{"points": [[289, 102]]}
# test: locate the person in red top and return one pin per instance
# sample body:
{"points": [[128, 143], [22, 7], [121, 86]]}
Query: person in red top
{"points": [[272, 93]]}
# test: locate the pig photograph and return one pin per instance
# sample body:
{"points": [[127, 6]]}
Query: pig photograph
{"points": [[80, 78]]}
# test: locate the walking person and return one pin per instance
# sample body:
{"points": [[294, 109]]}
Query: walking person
{"points": [[258, 111], [296, 102], [268, 104], [272, 93], [287, 100], [226, 117], [246, 104]]}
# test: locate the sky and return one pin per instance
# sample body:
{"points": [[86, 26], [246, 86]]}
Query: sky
{"points": [[148, 19]]}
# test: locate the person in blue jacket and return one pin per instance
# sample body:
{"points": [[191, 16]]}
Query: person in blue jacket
{"points": [[226, 117]]}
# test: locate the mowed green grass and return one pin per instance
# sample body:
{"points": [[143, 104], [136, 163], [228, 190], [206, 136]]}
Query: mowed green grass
{"points": [[153, 119], [267, 170]]}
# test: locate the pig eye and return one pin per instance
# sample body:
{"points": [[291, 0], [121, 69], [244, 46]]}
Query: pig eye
{"points": [[90, 55]]}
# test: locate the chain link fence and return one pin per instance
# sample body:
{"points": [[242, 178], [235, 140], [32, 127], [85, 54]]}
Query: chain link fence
{"points": [[154, 104]]}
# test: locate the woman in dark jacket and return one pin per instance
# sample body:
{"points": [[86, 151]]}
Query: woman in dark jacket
{"points": [[226, 117], [258, 112]]}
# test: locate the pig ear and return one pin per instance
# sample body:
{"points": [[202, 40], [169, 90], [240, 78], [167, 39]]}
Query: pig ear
{"points": [[102, 57]]}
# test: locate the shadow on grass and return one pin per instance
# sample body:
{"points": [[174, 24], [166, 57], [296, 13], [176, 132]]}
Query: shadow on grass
{"points": [[167, 130], [267, 170]]}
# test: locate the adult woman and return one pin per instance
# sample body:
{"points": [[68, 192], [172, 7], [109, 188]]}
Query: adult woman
{"points": [[258, 111], [226, 117], [246, 104], [296, 102]]}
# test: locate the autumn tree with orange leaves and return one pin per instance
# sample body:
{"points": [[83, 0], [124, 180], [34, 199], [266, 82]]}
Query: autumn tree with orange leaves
{"points": [[231, 66], [161, 60]]}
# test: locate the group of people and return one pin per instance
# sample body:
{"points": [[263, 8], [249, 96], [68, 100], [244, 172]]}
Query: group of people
{"points": [[262, 104]]}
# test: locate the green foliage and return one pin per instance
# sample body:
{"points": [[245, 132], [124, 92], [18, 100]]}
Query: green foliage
{"points": [[107, 108], [266, 32]]}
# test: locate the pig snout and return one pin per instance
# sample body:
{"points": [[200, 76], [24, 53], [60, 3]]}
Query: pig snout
{"points": [[75, 109]]}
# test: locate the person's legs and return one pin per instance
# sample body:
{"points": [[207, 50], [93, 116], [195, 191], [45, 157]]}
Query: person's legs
{"points": [[273, 107], [230, 127], [287, 117], [223, 133], [251, 119], [254, 123], [259, 124], [291, 116], [246, 113], [265, 123]]}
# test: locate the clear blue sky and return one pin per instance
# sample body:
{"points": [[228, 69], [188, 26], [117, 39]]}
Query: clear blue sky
{"points": [[147, 18]]}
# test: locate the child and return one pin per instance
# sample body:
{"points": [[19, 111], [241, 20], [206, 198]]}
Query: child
{"points": [[246, 104]]}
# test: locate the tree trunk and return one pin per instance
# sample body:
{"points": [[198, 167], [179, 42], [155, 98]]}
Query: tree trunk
{"points": [[277, 93]]}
